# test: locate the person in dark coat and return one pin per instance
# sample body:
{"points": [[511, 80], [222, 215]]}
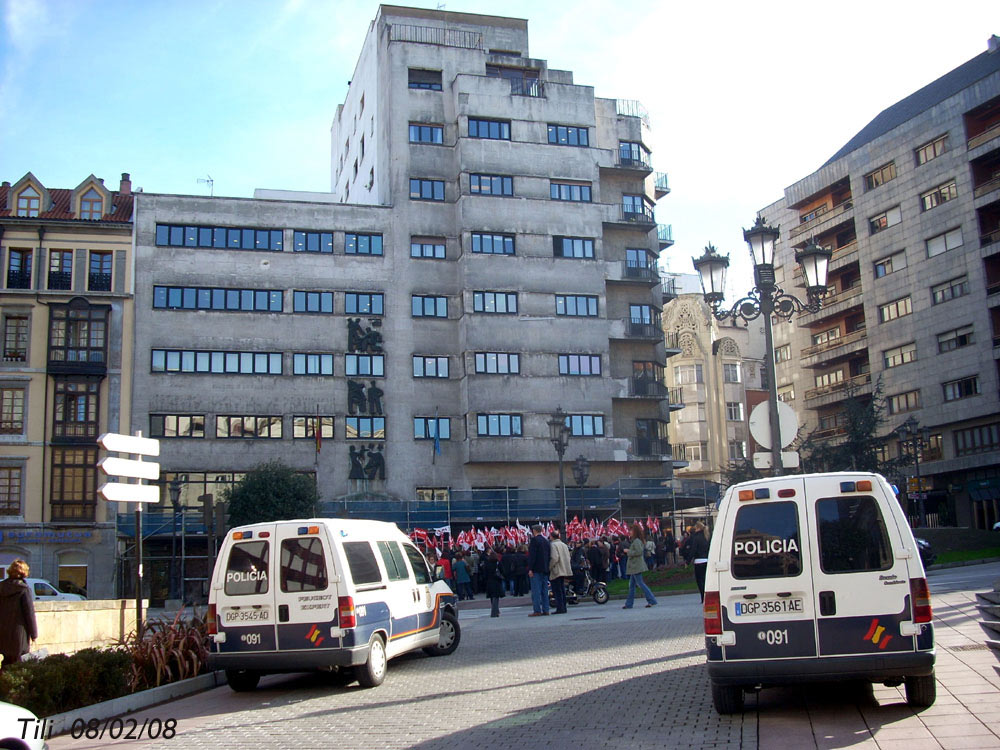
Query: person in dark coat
{"points": [[494, 582], [507, 569], [17, 614], [539, 557], [596, 558], [521, 571], [699, 555]]}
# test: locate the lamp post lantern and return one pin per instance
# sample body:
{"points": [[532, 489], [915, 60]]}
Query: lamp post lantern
{"points": [[764, 300], [911, 430], [559, 435]]}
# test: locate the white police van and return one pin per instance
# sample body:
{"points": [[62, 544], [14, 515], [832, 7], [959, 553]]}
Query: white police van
{"points": [[811, 578], [328, 594]]}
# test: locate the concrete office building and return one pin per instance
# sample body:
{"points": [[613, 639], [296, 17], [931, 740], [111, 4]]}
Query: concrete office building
{"points": [[65, 374], [911, 208], [715, 381], [487, 253]]}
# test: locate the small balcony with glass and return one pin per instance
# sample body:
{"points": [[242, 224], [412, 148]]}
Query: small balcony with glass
{"points": [[820, 211]]}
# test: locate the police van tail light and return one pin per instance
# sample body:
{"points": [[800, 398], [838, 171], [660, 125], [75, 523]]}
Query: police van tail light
{"points": [[921, 596], [348, 618], [713, 613], [211, 620]]}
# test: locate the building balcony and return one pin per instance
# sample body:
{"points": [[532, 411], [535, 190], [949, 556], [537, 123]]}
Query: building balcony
{"points": [[843, 256], [637, 329], [640, 217], [838, 213], [987, 135], [669, 289], [656, 449], [527, 87], [859, 384], [444, 37], [834, 305], [77, 362], [635, 272], [18, 279], [99, 282], [987, 187], [637, 163], [665, 235], [15, 355], [646, 388], [820, 354], [632, 108], [660, 185], [990, 238], [676, 397], [671, 343], [60, 280]]}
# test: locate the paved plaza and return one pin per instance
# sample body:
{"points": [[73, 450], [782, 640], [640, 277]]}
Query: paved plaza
{"points": [[597, 677]]}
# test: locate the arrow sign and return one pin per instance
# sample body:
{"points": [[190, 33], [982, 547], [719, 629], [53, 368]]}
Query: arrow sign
{"points": [[129, 493], [124, 467], [112, 441]]}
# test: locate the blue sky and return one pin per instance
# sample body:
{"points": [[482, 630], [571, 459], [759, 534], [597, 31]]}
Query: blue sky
{"points": [[745, 98]]}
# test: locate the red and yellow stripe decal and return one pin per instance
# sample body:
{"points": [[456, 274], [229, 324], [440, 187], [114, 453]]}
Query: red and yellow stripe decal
{"points": [[434, 619]]}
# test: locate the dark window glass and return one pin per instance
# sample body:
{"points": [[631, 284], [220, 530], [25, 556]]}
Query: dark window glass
{"points": [[303, 565], [361, 561], [421, 574], [766, 541], [392, 558], [247, 569], [852, 535]]}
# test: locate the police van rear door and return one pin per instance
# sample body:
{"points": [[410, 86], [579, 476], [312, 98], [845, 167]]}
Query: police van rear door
{"points": [[765, 590], [859, 568], [306, 590], [246, 602]]}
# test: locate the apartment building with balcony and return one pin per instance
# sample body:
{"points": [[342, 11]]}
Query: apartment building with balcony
{"points": [[716, 379], [487, 253], [65, 375], [911, 209]]}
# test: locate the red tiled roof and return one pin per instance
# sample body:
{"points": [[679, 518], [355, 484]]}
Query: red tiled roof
{"points": [[60, 209]]}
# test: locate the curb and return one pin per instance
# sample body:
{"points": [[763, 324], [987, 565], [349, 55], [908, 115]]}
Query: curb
{"points": [[63, 723], [963, 563]]}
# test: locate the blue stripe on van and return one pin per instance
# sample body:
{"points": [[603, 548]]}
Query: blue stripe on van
{"points": [[307, 636], [867, 634], [375, 617]]}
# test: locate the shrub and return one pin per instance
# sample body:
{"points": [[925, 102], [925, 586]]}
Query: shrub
{"points": [[60, 683], [167, 652]]}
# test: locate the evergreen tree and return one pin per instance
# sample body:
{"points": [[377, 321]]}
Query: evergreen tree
{"points": [[271, 492]]}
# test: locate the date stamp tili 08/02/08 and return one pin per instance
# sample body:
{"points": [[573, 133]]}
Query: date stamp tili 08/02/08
{"points": [[112, 729]]}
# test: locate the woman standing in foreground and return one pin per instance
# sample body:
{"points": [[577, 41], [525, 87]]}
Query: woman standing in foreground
{"points": [[17, 614], [635, 567], [699, 555], [494, 581]]}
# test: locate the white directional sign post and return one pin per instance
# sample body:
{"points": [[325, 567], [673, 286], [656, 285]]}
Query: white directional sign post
{"points": [[124, 492]]}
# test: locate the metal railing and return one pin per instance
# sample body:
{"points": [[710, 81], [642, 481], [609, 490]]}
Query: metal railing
{"points": [[834, 343], [651, 447], [669, 287], [526, 87], [99, 282], [636, 329], [665, 234], [989, 238], [661, 183], [632, 108], [636, 215], [640, 271], [986, 135], [60, 280], [833, 213], [856, 381], [676, 395], [18, 279], [987, 187], [672, 340], [646, 388], [640, 162], [435, 35]]}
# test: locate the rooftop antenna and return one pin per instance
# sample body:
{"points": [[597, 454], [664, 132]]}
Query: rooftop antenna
{"points": [[207, 180], [440, 6]]}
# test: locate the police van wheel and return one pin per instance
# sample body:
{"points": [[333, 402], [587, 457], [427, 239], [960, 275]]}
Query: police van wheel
{"points": [[921, 691], [450, 635], [601, 595], [372, 672], [728, 699], [242, 680]]}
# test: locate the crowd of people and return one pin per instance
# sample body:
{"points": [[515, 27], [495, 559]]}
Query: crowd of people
{"points": [[508, 569]]}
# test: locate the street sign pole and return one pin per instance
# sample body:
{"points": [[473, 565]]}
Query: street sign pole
{"points": [[133, 468]]}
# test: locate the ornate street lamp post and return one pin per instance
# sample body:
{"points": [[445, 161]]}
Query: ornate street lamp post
{"points": [[581, 471], [911, 429], [559, 435], [764, 300], [174, 488]]}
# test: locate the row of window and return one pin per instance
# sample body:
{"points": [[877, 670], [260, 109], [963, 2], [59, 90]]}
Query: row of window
{"points": [[60, 272], [254, 426], [922, 154], [236, 238], [692, 374]]}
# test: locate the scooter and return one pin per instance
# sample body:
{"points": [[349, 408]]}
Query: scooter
{"points": [[596, 589]]}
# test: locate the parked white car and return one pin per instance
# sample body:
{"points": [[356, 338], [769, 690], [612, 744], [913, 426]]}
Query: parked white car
{"points": [[17, 734], [44, 591]]}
